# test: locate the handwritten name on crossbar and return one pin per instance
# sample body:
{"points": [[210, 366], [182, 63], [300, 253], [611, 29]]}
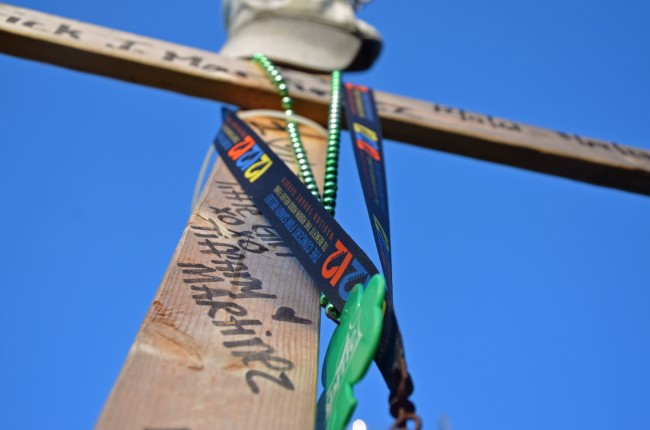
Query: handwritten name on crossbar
{"points": [[37, 36]]}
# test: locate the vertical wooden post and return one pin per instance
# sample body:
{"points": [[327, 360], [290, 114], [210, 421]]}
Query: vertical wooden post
{"points": [[231, 339]]}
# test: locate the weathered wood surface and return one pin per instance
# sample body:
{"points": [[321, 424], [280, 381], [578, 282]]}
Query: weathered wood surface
{"points": [[238, 358], [89, 48]]}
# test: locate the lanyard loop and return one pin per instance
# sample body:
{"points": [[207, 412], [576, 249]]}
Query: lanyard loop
{"points": [[295, 209], [324, 249]]}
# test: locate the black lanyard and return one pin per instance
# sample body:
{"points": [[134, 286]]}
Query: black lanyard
{"points": [[333, 260], [365, 130]]}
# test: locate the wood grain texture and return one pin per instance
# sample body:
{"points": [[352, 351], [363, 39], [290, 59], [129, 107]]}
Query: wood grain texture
{"points": [[133, 58], [231, 339]]}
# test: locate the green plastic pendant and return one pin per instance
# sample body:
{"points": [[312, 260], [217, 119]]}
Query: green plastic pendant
{"points": [[350, 352]]}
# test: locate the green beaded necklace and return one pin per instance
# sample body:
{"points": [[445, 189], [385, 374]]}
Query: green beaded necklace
{"points": [[333, 142], [299, 153]]}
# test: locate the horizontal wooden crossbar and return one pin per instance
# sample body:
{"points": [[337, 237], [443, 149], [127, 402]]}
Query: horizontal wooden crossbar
{"points": [[89, 48]]}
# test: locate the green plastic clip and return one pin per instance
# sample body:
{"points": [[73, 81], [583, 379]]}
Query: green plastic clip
{"points": [[350, 352]]}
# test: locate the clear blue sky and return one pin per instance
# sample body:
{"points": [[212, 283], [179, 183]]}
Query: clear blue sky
{"points": [[524, 299]]}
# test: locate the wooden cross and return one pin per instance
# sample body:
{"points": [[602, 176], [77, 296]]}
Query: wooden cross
{"points": [[163, 383]]}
